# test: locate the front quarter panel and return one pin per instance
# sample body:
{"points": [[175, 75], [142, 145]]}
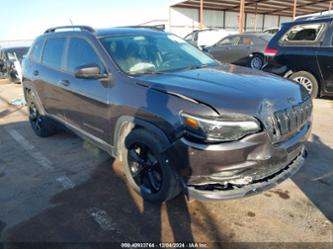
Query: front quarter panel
{"points": [[130, 98]]}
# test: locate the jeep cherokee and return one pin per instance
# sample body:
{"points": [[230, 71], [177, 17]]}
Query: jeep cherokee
{"points": [[178, 120], [303, 51]]}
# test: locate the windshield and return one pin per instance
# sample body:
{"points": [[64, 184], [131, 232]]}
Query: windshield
{"points": [[141, 54]]}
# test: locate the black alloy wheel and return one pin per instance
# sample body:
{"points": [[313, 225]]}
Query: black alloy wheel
{"points": [[149, 170], [145, 168], [35, 118]]}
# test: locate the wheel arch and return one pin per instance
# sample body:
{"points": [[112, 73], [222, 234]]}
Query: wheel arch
{"points": [[317, 75], [30, 92], [126, 124], [261, 54]]}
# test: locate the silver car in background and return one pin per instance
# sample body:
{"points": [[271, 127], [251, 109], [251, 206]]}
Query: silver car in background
{"points": [[245, 49]]}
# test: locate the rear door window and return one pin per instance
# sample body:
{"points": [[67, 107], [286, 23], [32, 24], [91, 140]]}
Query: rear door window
{"points": [[304, 33], [53, 52], [81, 53]]}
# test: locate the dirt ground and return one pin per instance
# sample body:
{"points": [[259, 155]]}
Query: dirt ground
{"points": [[62, 189]]}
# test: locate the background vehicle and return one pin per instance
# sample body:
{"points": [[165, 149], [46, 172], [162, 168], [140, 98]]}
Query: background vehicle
{"points": [[176, 118], [10, 62], [245, 49], [303, 51], [271, 31], [207, 37]]}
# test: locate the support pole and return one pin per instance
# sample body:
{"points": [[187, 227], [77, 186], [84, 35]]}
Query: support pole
{"points": [[241, 16], [330, 6], [255, 18], [295, 9], [201, 17]]}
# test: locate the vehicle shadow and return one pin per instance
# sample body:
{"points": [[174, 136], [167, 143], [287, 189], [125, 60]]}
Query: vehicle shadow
{"points": [[105, 210], [132, 220], [315, 178]]}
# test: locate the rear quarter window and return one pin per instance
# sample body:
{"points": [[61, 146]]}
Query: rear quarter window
{"points": [[230, 40], [36, 50], [53, 52], [303, 34], [266, 37]]}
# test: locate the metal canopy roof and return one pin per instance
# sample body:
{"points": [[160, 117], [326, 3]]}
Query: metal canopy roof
{"points": [[269, 7]]}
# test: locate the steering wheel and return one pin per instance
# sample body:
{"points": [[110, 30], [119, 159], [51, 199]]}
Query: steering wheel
{"points": [[170, 59]]}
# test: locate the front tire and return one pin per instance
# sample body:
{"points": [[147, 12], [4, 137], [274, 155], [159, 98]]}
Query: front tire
{"points": [[308, 81], [147, 169]]}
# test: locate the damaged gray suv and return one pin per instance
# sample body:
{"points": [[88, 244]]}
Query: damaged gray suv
{"points": [[179, 121]]}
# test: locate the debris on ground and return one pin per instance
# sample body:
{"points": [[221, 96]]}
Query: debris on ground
{"points": [[18, 102]]}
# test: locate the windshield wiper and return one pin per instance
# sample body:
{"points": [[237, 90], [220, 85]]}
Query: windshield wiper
{"points": [[148, 72], [193, 67], [199, 66]]}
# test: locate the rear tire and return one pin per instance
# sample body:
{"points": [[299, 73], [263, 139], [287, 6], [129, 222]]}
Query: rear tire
{"points": [[41, 125], [308, 81], [256, 62], [147, 169]]}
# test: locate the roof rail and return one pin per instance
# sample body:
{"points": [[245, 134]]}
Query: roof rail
{"points": [[81, 27]]}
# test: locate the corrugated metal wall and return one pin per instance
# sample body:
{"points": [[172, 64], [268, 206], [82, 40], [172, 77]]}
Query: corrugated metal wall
{"points": [[185, 20]]}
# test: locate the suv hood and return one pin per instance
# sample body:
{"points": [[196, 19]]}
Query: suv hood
{"points": [[229, 88]]}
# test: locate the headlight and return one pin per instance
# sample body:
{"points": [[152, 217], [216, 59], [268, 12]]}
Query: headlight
{"points": [[223, 129]]}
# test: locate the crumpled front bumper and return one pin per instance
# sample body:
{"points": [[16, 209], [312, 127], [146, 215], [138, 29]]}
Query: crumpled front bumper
{"points": [[250, 189], [237, 169]]}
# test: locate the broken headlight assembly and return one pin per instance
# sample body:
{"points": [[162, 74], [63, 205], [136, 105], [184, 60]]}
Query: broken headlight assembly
{"points": [[222, 129]]}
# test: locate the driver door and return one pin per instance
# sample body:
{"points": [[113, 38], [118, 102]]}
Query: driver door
{"points": [[86, 100]]}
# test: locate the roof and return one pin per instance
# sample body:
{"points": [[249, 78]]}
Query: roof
{"points": [[269, 7]]}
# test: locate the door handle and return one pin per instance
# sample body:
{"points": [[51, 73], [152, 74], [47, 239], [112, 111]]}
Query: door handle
{"points": [[64, 82], [35, 73]]}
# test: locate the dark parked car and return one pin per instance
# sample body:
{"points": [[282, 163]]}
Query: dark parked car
{"points": [[303, 51], [10, 62], [176, 118], [245, 49]]}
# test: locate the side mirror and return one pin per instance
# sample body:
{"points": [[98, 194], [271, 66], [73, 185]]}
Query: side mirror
{"points": [[88, 72]]}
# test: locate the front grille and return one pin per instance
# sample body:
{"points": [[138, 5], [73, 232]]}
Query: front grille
{"points": [[292, 119]]}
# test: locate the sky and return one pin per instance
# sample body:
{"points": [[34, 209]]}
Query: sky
{"points": [[26, 19]]}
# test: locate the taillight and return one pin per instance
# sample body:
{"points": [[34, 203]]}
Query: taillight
{"points": [[270, 52]]}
